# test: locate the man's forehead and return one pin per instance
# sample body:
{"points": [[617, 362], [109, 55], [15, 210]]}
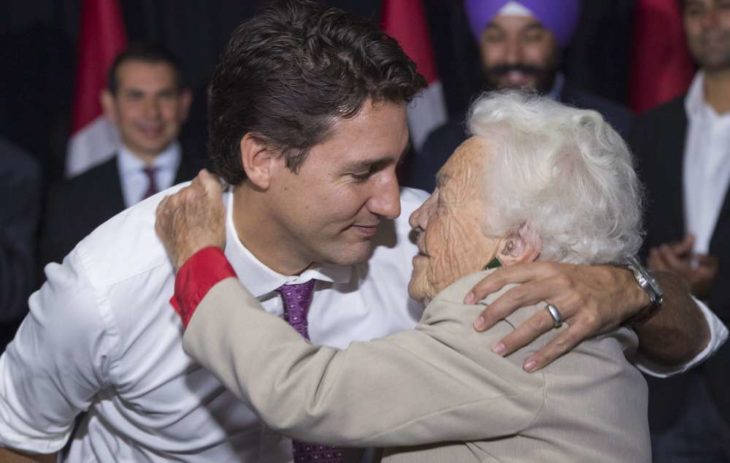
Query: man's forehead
{"points": [[687, 3], [376, 135], [139, 65], [134, 70], [511, 22]]}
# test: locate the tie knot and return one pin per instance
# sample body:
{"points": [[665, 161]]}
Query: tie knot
{"points": [[297, 298], [150, 171]]}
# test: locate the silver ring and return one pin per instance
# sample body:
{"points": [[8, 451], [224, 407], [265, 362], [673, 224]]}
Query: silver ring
{"points": [[555, 315]]}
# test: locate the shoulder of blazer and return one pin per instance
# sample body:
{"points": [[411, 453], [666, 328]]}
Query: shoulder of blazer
{"points": [[659, 134], [671, 113], [620, 117], [188, 168], [91, 197], [103, 176], [76, 206]]}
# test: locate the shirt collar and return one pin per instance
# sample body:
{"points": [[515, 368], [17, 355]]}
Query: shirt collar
{"points": [[694, 102], [168, 159], [260, 280]]}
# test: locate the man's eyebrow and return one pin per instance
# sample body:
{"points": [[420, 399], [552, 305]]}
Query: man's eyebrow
{"points": [[379, 162], [535, 25], [370, 163]]}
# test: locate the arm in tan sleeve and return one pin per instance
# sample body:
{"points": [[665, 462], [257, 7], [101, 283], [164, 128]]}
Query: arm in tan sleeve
{"points": [[12, 456], [415, 387]]}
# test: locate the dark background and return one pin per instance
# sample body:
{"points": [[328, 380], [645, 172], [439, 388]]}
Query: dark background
{"points": [[38, 43]]}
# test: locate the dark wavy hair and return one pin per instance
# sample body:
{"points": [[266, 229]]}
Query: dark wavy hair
{"points": [[289, 72], [150, 53]]}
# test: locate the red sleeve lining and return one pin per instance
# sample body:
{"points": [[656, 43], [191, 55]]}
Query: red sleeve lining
{"points": [[196, 277]]}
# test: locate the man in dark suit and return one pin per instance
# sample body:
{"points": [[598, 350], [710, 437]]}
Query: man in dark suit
{"points": [[20, 197], [146, 99], [683, 151], [520, 44]]}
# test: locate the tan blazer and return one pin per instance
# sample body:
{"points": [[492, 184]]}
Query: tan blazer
{"points": [[438, 383]]}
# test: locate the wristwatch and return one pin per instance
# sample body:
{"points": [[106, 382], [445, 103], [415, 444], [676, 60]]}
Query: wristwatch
{"points": [[650, 286]]}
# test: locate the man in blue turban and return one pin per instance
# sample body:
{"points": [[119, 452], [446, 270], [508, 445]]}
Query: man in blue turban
{"points": [[520, 42]]}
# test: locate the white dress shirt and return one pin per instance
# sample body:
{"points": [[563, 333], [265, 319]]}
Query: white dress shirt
{"points": [[706, 165], [133, 179], [102, 337]]}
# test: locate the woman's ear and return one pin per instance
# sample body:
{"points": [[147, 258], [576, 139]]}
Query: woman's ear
{"points": [[258, 160], [521, 246]]}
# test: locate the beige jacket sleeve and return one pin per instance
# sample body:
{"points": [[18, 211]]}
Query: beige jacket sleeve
{"points": [[439, 382]]}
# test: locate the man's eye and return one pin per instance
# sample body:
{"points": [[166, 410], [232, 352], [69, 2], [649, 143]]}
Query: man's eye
{"points": [[361, 176], [693, 10], [133, 96], [492, 37], [531, 37]]}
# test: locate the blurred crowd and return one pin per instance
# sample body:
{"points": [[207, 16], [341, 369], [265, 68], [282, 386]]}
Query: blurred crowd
{"points": [[681, 149]]}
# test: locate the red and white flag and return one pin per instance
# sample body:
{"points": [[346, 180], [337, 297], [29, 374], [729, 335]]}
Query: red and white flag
{"points": [[661, 66], [94, 138], [405, 21]]}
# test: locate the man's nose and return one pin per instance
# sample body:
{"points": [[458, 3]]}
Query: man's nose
{"points": [[151, 107], [513, 51], [385, 200]]}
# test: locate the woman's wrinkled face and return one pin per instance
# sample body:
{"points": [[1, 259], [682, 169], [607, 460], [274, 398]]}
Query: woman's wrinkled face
{"points": [[450, 224]]}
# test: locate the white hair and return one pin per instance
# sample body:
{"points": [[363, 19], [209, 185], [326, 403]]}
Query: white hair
{"points": [[563, 172]]}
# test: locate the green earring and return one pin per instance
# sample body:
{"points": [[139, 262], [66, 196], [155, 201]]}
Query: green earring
{"points": [[494, 263]]}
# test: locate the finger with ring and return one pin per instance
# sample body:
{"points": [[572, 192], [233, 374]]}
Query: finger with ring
{"points": [[555, 315]]}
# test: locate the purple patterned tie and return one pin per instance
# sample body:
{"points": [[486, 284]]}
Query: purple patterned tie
{"points": [[152, 183], [296, 304]]}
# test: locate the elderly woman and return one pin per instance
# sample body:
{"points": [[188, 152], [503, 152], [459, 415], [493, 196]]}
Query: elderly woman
{"points": [[537, 180]]}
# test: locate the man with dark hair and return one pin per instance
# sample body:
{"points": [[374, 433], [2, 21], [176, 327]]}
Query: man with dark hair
{"points": [[683, 151], [147, 53], [307, 124], [147, 101], [521, 43]]}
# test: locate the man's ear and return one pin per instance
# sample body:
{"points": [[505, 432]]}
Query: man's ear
{"points": [[108, 105], [521, 246], [259, 160]]}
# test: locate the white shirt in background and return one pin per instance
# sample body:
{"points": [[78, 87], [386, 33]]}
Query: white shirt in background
{"points": [[706, 169]]}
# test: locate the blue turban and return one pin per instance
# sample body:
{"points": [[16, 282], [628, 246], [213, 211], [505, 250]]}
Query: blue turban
{"points": [[558, 16]]}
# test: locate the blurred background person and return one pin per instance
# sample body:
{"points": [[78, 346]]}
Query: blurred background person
{"points": [[520, 45], [20, 198], [683, 149], [147, 101]]}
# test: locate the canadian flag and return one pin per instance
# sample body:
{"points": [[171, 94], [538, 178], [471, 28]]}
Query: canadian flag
{"points": [[661, 67], [405, 21], [94, 138]]}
